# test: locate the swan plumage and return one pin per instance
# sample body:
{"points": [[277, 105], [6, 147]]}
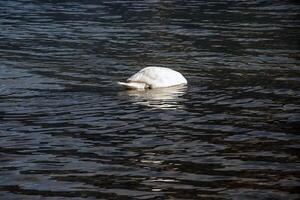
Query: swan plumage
{"points": [[154, 77]]}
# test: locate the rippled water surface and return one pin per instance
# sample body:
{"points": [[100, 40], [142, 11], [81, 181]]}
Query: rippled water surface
{"points": [[69, 132]]}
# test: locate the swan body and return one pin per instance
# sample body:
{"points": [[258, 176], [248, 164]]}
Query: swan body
{"points": [[154, 77]]}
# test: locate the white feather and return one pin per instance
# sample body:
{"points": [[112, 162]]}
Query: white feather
{"points": [[133, 85], [154, 77]]}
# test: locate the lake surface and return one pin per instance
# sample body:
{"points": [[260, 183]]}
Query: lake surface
{"points": [[69, 132]]}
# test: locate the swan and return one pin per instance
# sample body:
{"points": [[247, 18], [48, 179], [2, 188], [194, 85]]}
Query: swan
{"points": [[154, 77]]}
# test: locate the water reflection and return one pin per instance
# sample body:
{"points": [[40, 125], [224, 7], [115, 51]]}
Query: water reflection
{"points": [[164, 98]]}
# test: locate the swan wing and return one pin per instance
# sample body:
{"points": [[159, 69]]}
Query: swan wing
{"points": [[157, 77]]}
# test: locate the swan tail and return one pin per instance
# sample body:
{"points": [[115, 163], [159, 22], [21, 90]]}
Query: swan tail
{"points": [[133, 85]]}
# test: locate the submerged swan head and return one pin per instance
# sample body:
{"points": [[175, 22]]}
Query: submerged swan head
{"points": [[154, 77]]}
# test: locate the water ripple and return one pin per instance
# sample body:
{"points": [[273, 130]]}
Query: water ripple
{"points": [[67, 131]]}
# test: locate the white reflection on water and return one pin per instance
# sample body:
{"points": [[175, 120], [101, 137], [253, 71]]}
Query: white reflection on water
{"points": [[164, 98]]}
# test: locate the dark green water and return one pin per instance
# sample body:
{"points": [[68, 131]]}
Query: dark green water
{"points": [[67, 131]]}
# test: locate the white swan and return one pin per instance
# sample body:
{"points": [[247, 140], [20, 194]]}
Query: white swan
{"points": [[154, 77]]}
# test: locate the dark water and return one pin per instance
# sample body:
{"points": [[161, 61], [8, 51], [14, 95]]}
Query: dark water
{"points": [[69, 132]]}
